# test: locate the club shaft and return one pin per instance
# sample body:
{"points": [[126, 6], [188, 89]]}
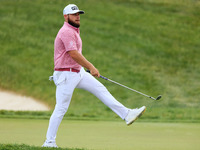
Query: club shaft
{"points": [[126, 87]]}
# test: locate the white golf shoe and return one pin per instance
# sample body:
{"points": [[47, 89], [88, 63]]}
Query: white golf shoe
{"points": [[49, 144], [133, 114]]}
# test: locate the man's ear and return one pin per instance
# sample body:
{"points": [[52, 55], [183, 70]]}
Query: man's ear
{"points": [[66, 17]]}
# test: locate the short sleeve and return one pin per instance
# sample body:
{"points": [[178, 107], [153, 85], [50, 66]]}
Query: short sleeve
{"points": [[69, 41]]}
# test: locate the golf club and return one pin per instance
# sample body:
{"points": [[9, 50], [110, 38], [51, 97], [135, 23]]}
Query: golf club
{"points": [[159, 97]]}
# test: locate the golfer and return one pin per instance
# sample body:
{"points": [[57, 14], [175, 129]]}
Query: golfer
{"points": [[70, 74]]}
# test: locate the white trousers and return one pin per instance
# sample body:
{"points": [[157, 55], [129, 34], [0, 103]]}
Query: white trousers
{"points": [[66, 82]]}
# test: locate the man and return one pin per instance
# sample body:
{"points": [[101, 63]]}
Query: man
{"points": [[69, 74]]}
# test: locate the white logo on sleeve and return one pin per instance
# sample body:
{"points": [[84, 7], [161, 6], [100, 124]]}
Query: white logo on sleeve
{"points": [[71, 44]]}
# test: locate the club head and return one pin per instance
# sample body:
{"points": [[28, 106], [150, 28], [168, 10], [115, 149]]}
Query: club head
{"points": [[159, 97]]}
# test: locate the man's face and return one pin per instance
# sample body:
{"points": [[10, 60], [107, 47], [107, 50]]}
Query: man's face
{"points": [[74, 20]]}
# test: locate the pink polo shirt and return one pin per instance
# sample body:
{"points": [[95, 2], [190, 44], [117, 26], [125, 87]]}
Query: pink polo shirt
{"points": [[67, 39]]}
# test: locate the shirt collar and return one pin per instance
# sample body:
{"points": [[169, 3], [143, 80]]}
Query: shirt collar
{"points": [[72, 27]]}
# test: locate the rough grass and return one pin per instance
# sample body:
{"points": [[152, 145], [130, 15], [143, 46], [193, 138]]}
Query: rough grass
{"points": [[186, 115], [27, 147]]}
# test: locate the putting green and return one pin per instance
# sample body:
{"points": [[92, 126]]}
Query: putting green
{"points": [[104, 135]]}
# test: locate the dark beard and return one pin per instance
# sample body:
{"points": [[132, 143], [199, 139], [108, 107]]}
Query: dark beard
{"points": [[73, 23]]}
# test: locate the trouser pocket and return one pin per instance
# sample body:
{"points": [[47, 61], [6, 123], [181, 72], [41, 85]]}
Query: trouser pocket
{"points": [[59, 77]]}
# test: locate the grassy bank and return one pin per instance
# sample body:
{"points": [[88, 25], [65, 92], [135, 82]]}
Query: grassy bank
{"points": [[149, 45]]}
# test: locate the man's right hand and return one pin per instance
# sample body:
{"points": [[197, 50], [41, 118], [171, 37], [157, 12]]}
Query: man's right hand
{"points": [[95, 72]]}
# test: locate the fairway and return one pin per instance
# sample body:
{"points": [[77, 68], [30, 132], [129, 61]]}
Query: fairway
{"points": [[104, 135]]}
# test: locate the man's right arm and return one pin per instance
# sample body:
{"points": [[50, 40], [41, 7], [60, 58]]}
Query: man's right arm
{"points": [[80, 59]]}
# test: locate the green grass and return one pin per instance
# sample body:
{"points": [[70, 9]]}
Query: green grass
{"points": [[187, 115], [149, 45], [102, 135]]}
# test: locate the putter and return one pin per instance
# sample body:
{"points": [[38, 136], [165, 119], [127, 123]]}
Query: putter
{"points": [[159, 97]]}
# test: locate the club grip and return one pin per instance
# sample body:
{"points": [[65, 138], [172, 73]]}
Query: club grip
{"points": [[100, 75], [88, 71], [103, 77]]}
